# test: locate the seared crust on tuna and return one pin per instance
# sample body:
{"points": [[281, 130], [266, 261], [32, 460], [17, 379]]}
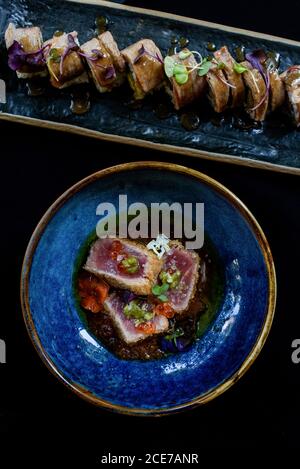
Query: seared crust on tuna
{"points": [[103, 263]]}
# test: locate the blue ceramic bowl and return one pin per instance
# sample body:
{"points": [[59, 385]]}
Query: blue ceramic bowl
{"points": [[215, 361]]}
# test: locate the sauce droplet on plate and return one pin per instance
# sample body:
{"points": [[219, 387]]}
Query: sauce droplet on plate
{"points": [[80, 102], [190, 121]]}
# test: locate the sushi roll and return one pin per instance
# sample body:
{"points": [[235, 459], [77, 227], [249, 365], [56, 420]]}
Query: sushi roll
{"points": [[291, 80], [233, 78], [25, 51], [146, 71], [277, 90], [65, 65], [191, 87], [105, 62], [218, 88], [257, 96]]}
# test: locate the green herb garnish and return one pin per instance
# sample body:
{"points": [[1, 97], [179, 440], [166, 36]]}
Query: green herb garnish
{"points": [[204, 67], [169, 64], [134, 311], [130, 264], [178, 71], [238, 68], [174, 335], [160, 290], [184, 54], [221, 65]]}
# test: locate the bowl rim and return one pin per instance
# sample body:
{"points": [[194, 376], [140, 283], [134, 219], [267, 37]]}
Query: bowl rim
{"points": [[247, 215]]}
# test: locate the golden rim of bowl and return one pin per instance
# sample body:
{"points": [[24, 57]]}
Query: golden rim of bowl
{"points": [[265, 249]]}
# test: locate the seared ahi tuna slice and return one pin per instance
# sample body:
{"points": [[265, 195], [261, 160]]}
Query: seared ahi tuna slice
{"points": [[237, 91], [127, 327], [31, 42], [185, 265], [183, 94], [105, 62], [124, 264], [146, 71], [291, 79], [257, 98], [64, 63]]}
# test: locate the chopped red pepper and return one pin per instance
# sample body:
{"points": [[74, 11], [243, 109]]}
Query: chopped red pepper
{"points": [[93, 292], [116, 249], [146, 327], [165, 310]]}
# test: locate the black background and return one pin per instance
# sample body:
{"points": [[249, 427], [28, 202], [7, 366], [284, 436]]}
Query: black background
{"points": [[262, 409]]}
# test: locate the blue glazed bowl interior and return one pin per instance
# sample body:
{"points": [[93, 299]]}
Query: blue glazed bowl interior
{"points": [[177, 379]]}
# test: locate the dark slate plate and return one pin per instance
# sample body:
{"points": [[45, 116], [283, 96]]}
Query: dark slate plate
{"points": [[276, 146]]}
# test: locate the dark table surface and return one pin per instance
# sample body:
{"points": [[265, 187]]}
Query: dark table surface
{"points": [[263, 407]]}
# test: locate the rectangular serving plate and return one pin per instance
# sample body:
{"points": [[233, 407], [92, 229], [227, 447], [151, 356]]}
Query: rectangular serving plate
{"points": [[275, 148]]}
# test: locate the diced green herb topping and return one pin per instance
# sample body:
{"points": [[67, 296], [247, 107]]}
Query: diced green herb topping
{"points": [[171, 279], [238, 68], [130, 264], [160, 290], [138, 312]]}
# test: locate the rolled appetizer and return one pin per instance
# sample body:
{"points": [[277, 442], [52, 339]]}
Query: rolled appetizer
{"points": [[233, 76], [291, 80], [25, 51], [184, 85], [65, 65], [106, 64], [277, 90], [218, 93], [146, 71], [257, 96]]}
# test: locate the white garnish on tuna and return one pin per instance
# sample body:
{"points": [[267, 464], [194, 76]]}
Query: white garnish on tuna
{"points": [[160, 245]]}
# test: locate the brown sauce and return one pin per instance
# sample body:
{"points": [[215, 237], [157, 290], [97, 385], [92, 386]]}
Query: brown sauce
{"points": [[193, 322], [211, 47], [190, 121], [80, 102], [36, 87]]}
